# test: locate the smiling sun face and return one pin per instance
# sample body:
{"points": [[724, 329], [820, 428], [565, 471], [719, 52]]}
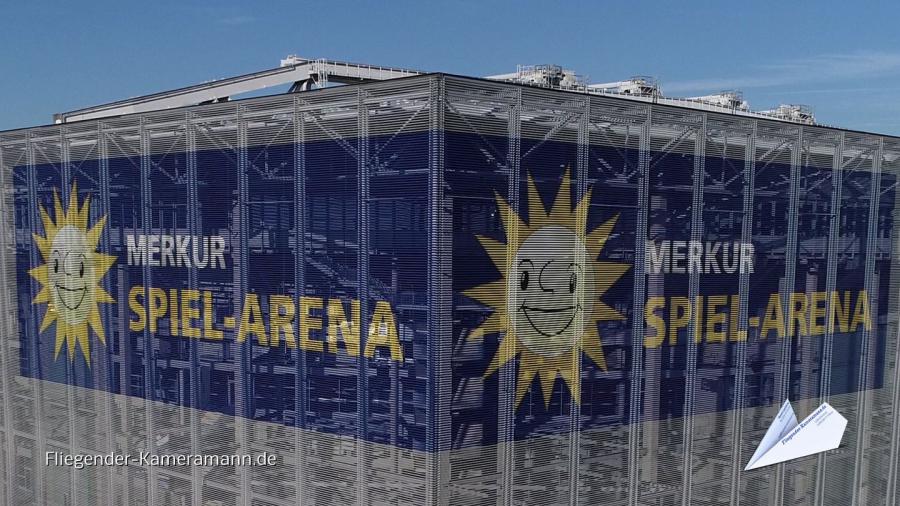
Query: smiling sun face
{"points": [[70, 275], [548, 301]]}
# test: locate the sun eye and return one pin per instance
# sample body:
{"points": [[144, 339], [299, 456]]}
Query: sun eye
{"points": [[55, 266], [523, 280], [573, 281], [81, 269]]}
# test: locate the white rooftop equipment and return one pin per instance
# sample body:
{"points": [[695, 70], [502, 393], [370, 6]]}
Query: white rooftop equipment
{"points": [[728, 99], [545, 76], [792, 112], [647, 89], [304, 74], [638, 86]]}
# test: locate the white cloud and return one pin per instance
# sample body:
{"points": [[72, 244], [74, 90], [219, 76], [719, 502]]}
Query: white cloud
{"points": [[818, 69]]}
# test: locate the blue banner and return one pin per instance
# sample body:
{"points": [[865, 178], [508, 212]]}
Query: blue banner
{"points": [[194, 278]]}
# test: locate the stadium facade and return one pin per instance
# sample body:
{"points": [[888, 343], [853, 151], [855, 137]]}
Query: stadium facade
{"points": [[444, 290]]}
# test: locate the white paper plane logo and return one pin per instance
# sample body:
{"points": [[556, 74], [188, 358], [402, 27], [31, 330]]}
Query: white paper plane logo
{"points": [[787, 440]]}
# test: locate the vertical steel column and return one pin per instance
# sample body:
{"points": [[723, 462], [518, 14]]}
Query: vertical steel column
{"points": [[105, 310], [871, 287], [193, 222], [125, 378], [690, 380], [891, 495], [737, 421], [507, 388], [439, 309], [126, 352], [9, 321], [67, 180], [636, 376], [581, 168], [35, 357], [787, 288], [243, 403], [65, 191], [300, 379], [64, 164], [149, 359], [837, 182], [362, 224]]}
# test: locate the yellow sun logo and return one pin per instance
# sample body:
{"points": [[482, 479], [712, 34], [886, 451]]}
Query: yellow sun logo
{"points": [[548, 300], [70, 275]]}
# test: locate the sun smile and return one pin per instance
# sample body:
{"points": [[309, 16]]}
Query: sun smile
{"points": [[66, 296], [548, 302], [526, 309], [70, 275]]}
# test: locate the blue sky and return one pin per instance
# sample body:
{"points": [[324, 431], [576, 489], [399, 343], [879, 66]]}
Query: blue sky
{"points": [[841, 58]]}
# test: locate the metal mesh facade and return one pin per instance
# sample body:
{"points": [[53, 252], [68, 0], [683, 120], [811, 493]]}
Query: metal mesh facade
{"points": [[372, 211]]}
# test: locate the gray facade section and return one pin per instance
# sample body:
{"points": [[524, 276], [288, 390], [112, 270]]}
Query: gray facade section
{"points": [[695, 459]]}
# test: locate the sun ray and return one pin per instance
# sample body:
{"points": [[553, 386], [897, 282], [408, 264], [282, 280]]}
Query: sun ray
{"points": [[511, 220], [523, 384], [81, 216], [49, 318], [596, 240], [506, 353], [561, 366], [71, 340], [101, 295], [561, 212], [59, 343], [59, 213], [537, 213], [43, 296], [81, 334], [70, 275], [49, 226], [591, 347], [581, 214], [50, 229], [102, 263], [39, 273], [608, 274], [528, 369], [72, 208], [603, 312], [547, 303], [42, 245], [93, 235], [495, 249], [493, 323], [573, 381], [548, 378], [488, 294], [96, 324]]}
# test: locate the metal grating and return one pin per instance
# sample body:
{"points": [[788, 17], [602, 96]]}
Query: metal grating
{"points": [[376, 192]]}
